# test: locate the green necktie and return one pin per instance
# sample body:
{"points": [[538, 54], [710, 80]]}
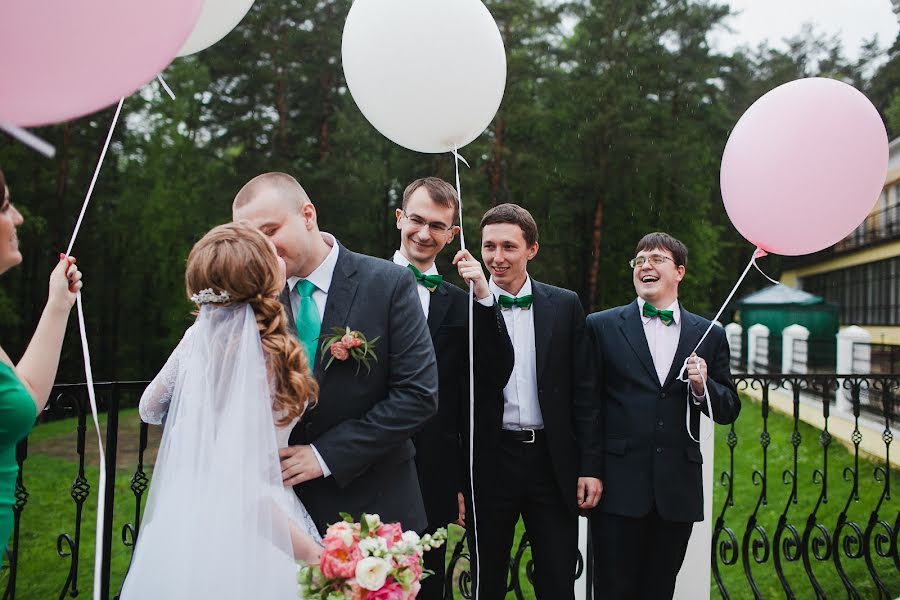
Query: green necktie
{"points": [[523, 302], [429, 282], [666, 316], [308, 322]]}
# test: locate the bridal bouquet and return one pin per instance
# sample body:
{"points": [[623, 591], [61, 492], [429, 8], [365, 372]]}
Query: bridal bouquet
{"points": [[369, 560]]}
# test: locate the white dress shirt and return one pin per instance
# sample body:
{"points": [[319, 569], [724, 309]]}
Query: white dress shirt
{"points": [[321, 278], [521, 408], [662, 339]]}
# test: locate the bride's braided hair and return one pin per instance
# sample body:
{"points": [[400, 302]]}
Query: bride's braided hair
{"points": [[238, 259]]}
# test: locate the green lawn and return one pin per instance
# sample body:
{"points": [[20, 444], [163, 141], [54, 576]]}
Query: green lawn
{"points": [[51, 511]]}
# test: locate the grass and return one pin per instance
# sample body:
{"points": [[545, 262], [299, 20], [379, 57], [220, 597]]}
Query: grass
{"points": [[748, 457], [52, 466]]}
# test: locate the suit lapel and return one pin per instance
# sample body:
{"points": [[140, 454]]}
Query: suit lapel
{"points": [[285, 299], [438, 307], [340, 299], [687, 339], [544, 316], [633, 329]]}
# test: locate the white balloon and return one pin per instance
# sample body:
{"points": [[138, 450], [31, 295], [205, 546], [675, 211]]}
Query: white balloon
{"points": [[427, 74], [217, 20]]}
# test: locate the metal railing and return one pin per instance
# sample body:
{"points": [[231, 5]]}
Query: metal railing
{"points": [[740, 541]]}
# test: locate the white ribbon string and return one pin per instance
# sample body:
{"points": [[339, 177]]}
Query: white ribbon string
{"points": [[165, 86], [101, 487], [88, 374], [87, 198], [470, 518], [682, 374], [29, 139]]}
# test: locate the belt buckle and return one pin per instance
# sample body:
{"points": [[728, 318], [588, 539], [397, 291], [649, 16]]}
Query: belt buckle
{"points": [[533, 436]]}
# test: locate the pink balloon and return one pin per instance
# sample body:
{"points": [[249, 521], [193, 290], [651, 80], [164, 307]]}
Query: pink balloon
{"points": [[63, 59], [804, 166]]}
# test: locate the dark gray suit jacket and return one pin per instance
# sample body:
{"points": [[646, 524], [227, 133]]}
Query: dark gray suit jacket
{"points": [[364, 423], [650, 461]]}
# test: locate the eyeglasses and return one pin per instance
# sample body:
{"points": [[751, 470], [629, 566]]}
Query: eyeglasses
{"points": [[655, 260], [435, 228]]}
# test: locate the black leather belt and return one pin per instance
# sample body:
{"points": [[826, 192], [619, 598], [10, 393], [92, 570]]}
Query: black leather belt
{"points": [[523, 436]]}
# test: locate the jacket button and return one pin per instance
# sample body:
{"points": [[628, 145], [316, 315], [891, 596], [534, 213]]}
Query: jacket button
{"points": [[662, 395], [659, 450], [659, 423]]}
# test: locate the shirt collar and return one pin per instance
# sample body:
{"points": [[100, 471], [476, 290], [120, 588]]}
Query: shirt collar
{"points": [[497, 291], [321, 276], [401, 260], [674, 307]]}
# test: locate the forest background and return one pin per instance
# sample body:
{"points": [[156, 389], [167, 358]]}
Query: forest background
{"points": [[613, 123]]}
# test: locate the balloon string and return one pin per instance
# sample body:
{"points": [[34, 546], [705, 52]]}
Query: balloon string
{"points": [[472, 517], [88, 374], [87, 198], [682, 374], [29, 139], [165, 86]]}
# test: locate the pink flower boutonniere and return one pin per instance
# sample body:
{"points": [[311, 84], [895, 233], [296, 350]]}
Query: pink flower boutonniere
{"points": [[344, 343]]}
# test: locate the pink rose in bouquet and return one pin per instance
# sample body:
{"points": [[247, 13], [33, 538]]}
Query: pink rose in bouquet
{"points": [[339, 559], [390, 533], [391, 590], [339, 351]]}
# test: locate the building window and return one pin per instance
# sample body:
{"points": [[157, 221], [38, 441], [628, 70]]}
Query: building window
{"points": [[865, 295]]}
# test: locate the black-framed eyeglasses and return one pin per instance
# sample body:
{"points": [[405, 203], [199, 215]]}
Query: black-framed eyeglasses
{"points": [[419, 223], [655, 260]]}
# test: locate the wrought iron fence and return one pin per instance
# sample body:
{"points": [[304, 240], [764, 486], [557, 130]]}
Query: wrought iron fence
{"points": [[740, 541]]}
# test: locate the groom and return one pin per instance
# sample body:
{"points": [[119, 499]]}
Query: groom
{"points": [[354, 452]]}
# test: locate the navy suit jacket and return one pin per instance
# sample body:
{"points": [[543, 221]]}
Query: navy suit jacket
{"points": [[649, 458], [364, 422]]}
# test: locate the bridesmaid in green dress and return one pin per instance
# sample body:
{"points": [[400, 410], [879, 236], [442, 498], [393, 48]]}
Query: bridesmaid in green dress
{"points": [[25, 387]]}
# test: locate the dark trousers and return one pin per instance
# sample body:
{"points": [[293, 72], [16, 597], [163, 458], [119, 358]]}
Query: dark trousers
{"points": [[637, 558], [435, 560], [523, 483]]}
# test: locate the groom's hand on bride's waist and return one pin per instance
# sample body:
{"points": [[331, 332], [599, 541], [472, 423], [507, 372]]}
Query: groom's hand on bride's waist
{"points": [[299, 464]]}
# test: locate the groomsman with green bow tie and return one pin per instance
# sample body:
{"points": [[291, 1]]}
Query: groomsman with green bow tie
{"points": [[651, 464], [426, 220], [535, 439]]}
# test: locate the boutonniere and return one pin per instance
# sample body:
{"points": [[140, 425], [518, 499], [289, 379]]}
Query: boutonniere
{"points": [[344, 343]]}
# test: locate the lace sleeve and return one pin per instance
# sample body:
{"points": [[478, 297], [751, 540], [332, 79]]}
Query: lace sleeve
{"points": [[155, 399]]}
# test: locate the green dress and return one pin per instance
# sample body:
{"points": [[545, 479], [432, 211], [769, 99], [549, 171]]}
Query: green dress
{"points": [[17, 416]]}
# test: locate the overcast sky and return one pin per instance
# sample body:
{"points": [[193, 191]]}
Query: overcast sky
{"points": [[773, 20]]}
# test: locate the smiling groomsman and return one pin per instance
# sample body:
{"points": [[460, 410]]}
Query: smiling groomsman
{"points": [[426, 223], [534, 439], [652, 475]]}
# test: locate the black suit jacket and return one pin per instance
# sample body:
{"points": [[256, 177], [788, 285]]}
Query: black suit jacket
{"points": [[443, 470], [568, 408], [364, 423], [649, 457]]}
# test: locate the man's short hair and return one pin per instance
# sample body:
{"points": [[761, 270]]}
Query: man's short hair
{"points": [[281, 183], [440, 192], [664, 241], [514, 215]]}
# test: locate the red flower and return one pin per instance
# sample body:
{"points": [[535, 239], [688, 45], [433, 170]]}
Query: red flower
{"points": [[339, 351]]}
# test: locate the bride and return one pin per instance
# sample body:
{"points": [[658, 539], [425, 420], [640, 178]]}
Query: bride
{"points": [[219, 522]]}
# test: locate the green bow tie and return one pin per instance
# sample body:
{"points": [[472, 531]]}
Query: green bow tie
{"points": [[523, 302], [666, 316], [429, 282]]}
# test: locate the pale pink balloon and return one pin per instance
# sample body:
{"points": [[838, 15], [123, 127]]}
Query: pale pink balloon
{"points": [[61, 59], [804, 166]]}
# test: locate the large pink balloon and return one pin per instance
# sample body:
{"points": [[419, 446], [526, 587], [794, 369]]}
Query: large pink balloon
{"points": [[804, 166], [61, 59]]}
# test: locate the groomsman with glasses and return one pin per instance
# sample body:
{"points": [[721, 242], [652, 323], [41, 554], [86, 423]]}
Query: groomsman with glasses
{"points": [[536, 446], [652, 469], [426, 222]]}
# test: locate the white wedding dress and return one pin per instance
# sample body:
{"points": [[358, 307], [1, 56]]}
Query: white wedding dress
{"points": [[217, 521]]}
